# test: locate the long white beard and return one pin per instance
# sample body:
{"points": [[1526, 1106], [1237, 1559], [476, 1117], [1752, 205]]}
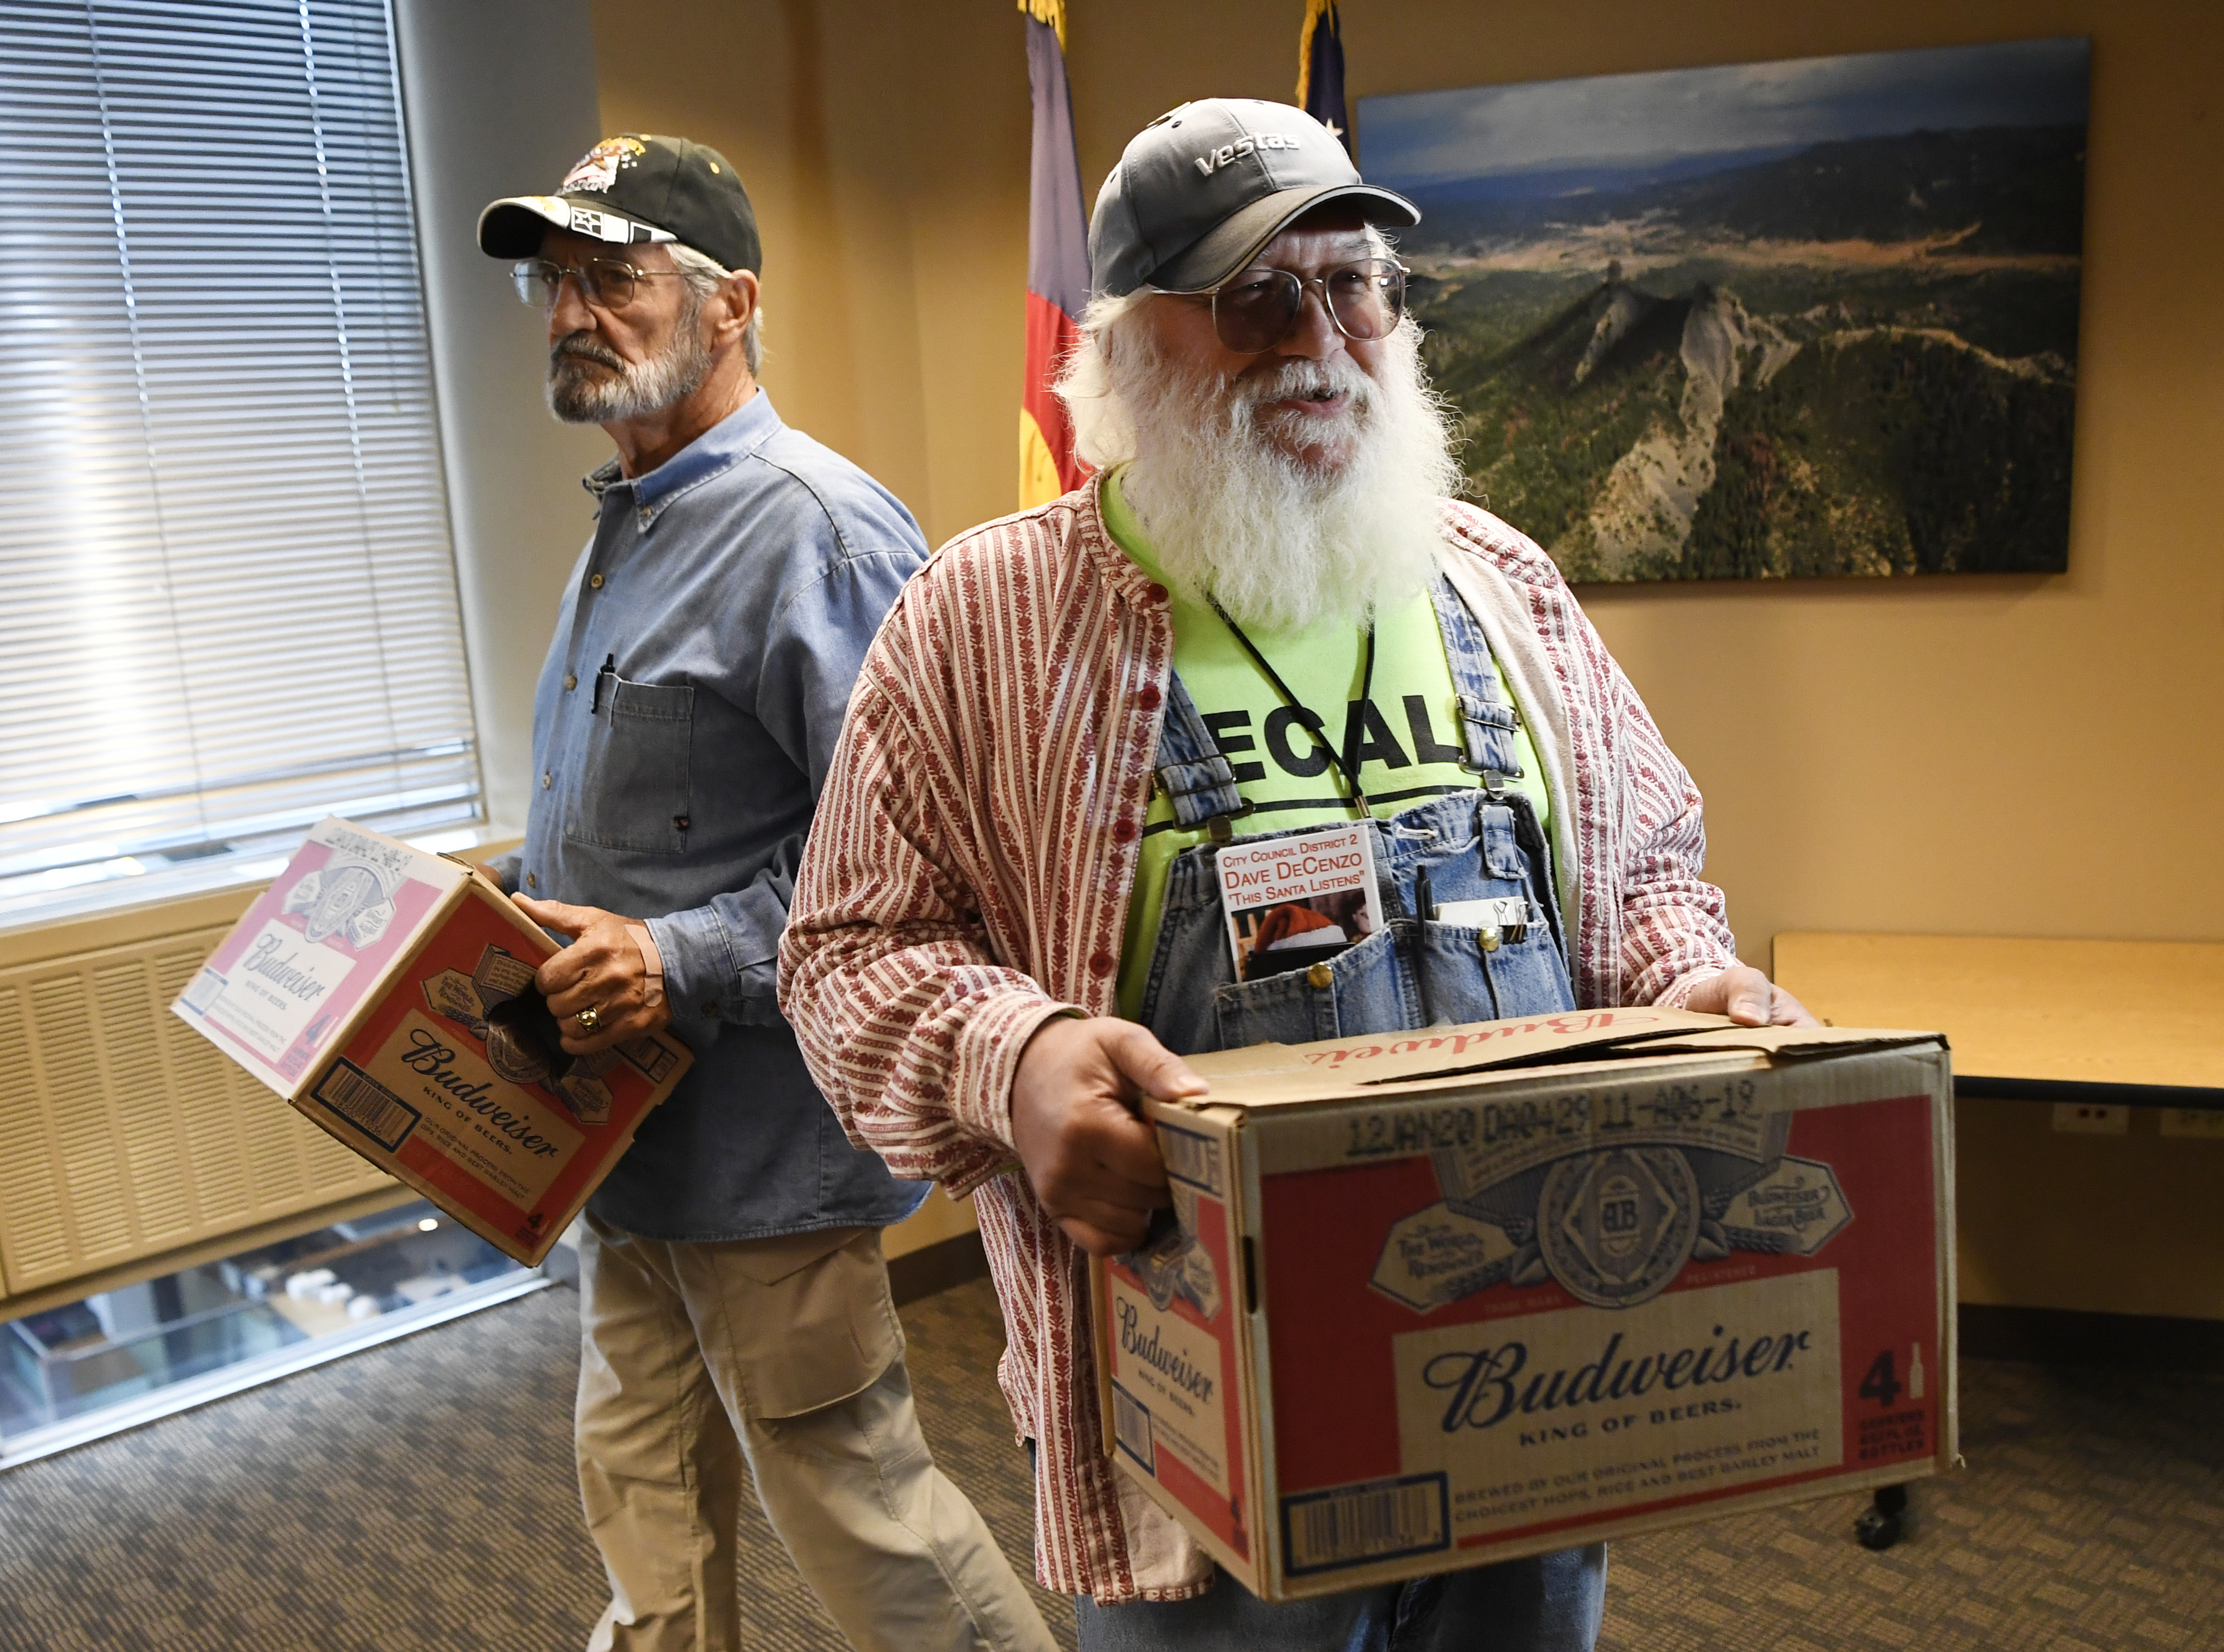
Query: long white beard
{"points": [[1282, 545]]}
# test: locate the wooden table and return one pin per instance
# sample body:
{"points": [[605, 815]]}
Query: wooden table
{"points": [[2088, 1023], [2100, 1023]]}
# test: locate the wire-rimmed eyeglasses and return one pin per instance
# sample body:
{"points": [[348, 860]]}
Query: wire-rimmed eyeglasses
{"points": [[606, 283], [1255, 308]]}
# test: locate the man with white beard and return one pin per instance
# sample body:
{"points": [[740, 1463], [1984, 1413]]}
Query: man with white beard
{"points": [[736, 1321], [1263, 616]]}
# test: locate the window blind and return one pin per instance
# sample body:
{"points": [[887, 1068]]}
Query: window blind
{"points": [[229, 601]]}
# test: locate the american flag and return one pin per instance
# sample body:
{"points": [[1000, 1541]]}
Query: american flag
{"points": [[1320, 69]]}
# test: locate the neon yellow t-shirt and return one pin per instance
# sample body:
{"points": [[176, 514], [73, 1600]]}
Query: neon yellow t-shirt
{"points": [[1408, 747]]}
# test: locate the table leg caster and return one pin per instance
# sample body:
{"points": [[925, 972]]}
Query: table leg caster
{"points": [[1879, 1525]]}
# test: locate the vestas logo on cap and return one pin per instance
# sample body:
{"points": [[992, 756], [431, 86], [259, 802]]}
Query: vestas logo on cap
{"points": [[598, 168], [1213, 159]]}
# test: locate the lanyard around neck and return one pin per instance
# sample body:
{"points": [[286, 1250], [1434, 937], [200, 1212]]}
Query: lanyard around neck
{"points": [[1346, 770]]}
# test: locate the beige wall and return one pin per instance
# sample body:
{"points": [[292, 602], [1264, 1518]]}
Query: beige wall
{"points": [[1990, 756], [886, 156]]}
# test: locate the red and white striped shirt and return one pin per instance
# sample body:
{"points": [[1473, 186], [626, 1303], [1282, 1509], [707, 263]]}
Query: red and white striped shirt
{"points": [[968, 877]]}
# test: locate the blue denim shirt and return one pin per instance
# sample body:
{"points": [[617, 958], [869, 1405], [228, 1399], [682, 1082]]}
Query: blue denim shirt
{"points": [[704, 655]]}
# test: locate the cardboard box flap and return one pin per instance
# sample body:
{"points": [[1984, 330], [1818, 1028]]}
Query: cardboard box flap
{"points": [[1793, 1044], [1265, 1074], [386, 857]]}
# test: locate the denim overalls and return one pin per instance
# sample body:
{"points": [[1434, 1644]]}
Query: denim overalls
{"points": [[1415, 972], [1480, 846]]}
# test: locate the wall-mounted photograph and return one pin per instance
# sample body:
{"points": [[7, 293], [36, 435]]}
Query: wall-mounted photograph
{"points": [[1813, 318]]}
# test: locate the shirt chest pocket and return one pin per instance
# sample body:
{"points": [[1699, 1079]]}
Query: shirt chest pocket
{"points": [[633, 790]]}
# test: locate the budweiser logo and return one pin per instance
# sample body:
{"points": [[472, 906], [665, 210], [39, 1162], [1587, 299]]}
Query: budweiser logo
{"points": [[1169, 1363], [1489, 1385]]}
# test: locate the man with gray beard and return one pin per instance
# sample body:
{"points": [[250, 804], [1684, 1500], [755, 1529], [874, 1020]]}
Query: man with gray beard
{"points": [[735, 1318], [1263, 616]]}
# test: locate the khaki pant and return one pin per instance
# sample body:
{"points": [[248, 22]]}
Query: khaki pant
{"points": [[781, 1359]]}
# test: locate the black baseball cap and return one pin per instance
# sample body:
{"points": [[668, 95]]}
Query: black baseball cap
{"points": [[1204, 187], [634, 188]]}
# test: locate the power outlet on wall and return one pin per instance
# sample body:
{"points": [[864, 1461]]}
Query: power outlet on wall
{"points": [[2085, 1118], [2200, 1123]]}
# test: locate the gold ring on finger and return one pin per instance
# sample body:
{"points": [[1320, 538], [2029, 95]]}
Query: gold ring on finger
{"points": [[589, 1018]]}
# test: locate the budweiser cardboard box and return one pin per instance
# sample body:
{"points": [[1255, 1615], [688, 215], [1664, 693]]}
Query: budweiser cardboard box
{"points": [[1442, 1298], [388, 994]]}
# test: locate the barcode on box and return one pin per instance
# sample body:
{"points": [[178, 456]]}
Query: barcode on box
{"points": [[367, 1104], [1191, 1158], [1131, 1427], [207, 987], [1355, 1525]]}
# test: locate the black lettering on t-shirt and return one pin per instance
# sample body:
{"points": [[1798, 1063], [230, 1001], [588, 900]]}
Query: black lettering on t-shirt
{"points": [[1280, 723], [1427, 748], [1367, 739], [1221, 725]]}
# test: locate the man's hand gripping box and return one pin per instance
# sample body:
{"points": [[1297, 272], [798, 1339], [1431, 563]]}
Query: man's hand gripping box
{"points": [[1438, 1299], [388, 994]]}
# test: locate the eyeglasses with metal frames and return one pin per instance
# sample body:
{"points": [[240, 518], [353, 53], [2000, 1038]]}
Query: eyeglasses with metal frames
{"points": [[1256, 308], [606, 283]]}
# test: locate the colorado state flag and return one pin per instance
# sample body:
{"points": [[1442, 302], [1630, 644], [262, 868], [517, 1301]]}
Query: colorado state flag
{"points": [[1057, 261]]}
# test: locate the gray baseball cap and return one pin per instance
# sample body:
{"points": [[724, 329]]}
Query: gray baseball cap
{"points": [[1202, 187]]}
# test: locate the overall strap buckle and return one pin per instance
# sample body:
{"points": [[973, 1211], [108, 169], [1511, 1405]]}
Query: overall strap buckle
{"points": [[1197, 781], [1222, 826], [1488, 718], [1486, 742], [1201, 794]]}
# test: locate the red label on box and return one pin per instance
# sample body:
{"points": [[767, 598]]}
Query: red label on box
{"points": [[1171, 1335], [1621, 1328], [491, 1115]]}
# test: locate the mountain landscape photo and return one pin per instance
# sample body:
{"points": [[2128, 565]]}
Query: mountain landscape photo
{"points": [[1716, 324]]}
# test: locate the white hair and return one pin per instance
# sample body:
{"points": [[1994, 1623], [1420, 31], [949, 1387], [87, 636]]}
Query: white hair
{"points": [[1103, 430], [1279, 541], [704, 273]]}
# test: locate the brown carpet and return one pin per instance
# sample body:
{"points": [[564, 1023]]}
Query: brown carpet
{"points": [[419, 1497], [2091, 1516]]}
